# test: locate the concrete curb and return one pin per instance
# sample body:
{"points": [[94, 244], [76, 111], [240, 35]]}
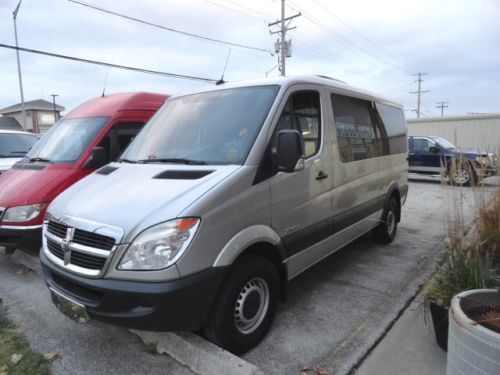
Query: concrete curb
{"points": [[199, 355]]}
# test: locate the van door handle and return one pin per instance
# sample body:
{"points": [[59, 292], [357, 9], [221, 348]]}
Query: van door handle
{"points": [[321, 176]]}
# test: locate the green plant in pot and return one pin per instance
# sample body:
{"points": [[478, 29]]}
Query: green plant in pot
{"points": [[464, 269]]}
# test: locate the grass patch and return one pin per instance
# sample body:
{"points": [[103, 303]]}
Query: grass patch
{"points": [[11, 342]]}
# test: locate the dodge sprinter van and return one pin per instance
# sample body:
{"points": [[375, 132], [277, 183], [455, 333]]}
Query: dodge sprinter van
{"points": [[88, 137], [223, 197]]}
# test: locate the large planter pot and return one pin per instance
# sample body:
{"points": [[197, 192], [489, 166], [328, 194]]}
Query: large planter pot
{"points": [[439, 317], [474, 333]]}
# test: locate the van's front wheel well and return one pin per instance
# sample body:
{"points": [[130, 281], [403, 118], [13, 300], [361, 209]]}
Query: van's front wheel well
{"points": [[271, 253], [395, 194]]}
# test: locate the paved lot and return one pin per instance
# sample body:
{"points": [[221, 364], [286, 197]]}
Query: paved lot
{"points": [[335, 312]]}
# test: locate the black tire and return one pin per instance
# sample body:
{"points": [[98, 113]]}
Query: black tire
{"points": [[461, 173], [386, 230], [252, 281]]}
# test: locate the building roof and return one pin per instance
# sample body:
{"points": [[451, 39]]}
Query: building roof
{"points": [[39, 104], [9, 123], [482, 116]]}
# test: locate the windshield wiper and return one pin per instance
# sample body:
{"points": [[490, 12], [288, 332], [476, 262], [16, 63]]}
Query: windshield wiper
{"points": [[175, 160], [32, 160], [129, 161]]}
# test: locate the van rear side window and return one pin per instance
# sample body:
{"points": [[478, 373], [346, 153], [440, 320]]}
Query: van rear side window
{"points": [[358, 137], [394, 123]]}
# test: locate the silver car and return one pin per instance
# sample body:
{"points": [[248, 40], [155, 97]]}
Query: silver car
{"points": [[220, 200]]}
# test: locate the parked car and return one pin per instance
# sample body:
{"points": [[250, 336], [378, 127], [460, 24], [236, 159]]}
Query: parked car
{"points": [[88, 137], [436, 155], [223, 197], [13, 146]]}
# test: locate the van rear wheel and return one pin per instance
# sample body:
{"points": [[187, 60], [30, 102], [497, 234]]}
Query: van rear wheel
{"points": [[386, 230], [245, 306]]}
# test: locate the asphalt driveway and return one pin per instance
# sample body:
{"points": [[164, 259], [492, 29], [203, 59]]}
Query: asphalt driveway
{"points": [[335, 312]]}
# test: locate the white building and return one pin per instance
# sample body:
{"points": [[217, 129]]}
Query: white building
{"points": [[476, 132], [40, 114]]}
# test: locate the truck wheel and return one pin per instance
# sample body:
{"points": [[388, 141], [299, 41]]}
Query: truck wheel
{"points": [[246, 305], [461, 173], [386, 230]]}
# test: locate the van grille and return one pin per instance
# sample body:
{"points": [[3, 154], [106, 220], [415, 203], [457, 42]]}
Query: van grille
{"points": [[63, 243], [82, 237]]}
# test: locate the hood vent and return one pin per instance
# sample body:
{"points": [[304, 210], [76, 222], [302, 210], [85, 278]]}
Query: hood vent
{"points": [[182, 175], [34, 167], [107, 169]]}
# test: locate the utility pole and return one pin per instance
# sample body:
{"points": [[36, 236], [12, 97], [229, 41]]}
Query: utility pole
{"points": [[442, 105], [282, 46], [419, 92], [54, 103], [19, 66]]}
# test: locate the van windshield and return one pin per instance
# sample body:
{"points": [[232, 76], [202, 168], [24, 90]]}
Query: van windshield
{"points": [[66, 140], [16, 145], [217, 127]]}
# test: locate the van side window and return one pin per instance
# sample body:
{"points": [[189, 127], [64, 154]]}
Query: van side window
{"points": [[357, 134], [302, 113], [392, 119], [119, 137]]}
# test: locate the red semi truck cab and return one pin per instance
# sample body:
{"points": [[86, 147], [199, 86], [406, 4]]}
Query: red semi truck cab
{"points": [[91, 135]]}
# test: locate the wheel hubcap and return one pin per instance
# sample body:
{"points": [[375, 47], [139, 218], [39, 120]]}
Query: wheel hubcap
{"points": [[251, 306]]}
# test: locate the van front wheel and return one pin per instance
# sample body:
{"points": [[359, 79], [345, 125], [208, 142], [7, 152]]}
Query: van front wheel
{"points": [[245, 306], [386, 230]]}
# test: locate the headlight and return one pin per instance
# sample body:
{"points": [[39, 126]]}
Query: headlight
{"points": [[22, 213], [160, 246], [483, 160]]}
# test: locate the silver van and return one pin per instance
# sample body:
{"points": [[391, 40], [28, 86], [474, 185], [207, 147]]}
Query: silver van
{"points": [[223, 197]]}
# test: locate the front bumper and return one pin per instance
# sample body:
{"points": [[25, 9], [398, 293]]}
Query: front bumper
{"points": [[182, 304], [24, 238]]}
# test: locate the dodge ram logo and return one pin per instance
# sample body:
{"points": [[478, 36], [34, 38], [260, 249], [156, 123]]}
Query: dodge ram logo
{"points": [[65, 245]]}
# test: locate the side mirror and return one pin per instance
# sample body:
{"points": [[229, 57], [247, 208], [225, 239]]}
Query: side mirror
{"points": [[97, 159], [289, 151], [434, 149]]}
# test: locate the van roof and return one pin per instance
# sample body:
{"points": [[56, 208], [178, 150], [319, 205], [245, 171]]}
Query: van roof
{"points": [[302, 79], [109, 104]]}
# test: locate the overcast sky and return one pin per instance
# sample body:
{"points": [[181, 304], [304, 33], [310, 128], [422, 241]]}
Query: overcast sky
{"points": [[376, 45]]}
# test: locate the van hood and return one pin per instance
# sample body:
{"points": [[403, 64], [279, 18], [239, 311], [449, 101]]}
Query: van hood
{"points": [[133, 197], [34, 183]]}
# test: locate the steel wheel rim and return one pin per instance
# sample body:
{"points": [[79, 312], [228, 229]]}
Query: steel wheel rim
{"points": [[461, 176], [391, 221], [254, 288]]}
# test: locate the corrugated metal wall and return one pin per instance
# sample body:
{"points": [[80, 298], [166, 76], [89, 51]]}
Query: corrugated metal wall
{"points": [[477, 132]]}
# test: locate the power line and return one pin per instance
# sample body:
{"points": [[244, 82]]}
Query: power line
{"points": [[236, 11], [140, 70], [358, 33], [344, 41], [212, 40]]}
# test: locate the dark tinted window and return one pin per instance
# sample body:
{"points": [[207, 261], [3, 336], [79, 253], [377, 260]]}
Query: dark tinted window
{"points": [[393, 121], [119, 137], [302, 113], [357, 135]]}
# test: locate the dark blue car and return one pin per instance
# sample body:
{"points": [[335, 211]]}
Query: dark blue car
{"points": [[436, 155]]}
